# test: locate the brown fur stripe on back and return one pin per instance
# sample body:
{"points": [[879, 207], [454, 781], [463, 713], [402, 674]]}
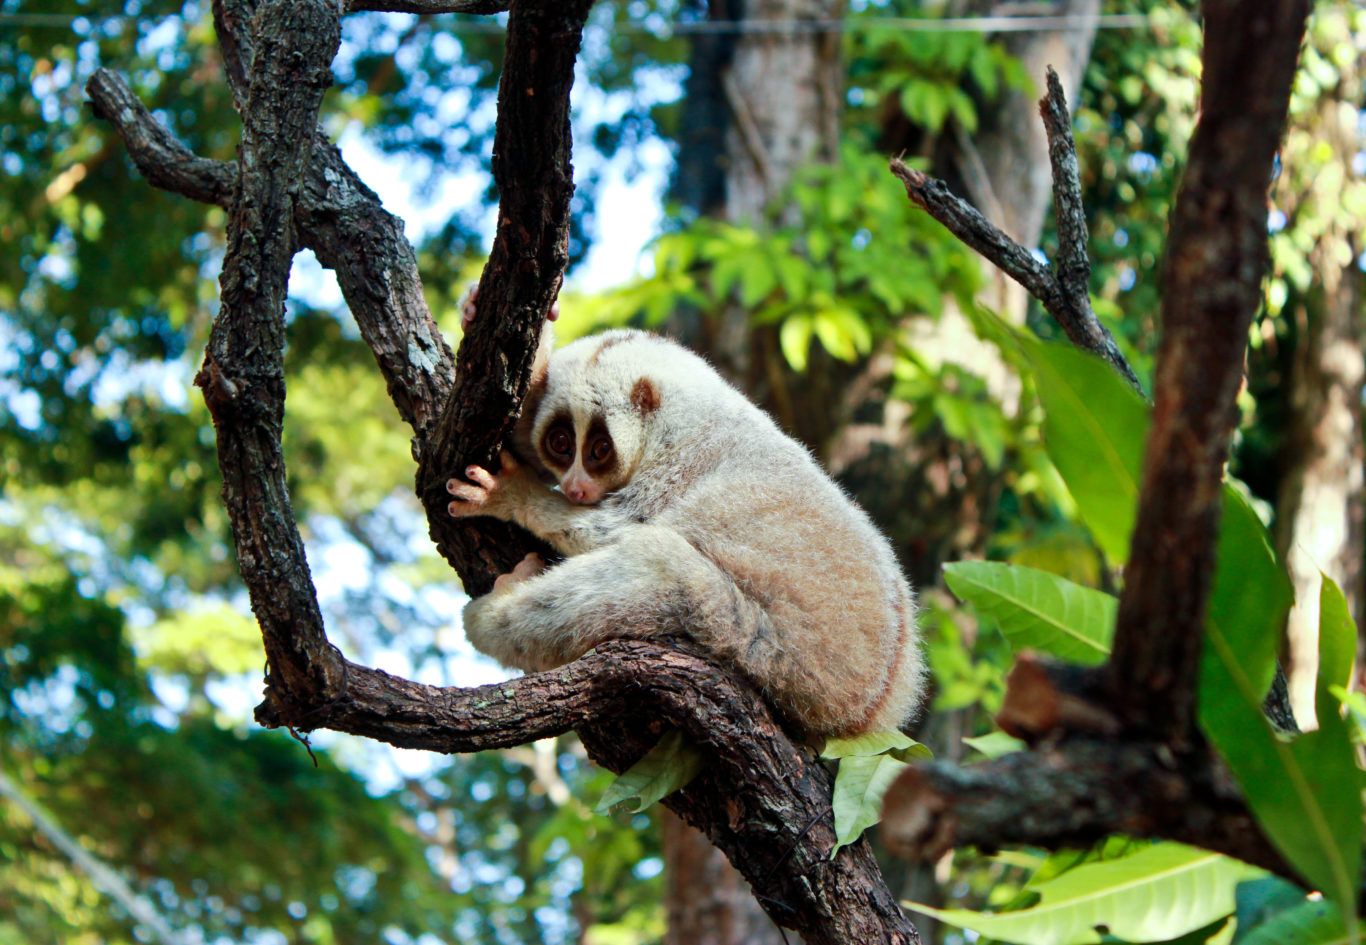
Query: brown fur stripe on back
{"points": [[615, 340]]}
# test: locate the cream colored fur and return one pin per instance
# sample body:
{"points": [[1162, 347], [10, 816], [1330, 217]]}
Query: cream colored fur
{"points": [[720, 528]]}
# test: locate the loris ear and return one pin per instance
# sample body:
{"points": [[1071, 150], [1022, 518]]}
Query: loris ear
{"points": [[645, 396]]}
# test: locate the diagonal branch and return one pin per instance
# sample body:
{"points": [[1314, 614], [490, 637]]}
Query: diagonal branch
{"points": [[1212, 287]]}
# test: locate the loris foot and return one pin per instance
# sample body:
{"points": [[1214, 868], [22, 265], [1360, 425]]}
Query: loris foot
{"points": [[530, 566]]}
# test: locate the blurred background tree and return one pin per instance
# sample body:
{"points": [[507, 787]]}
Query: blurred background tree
{"points": [[783, 250]]}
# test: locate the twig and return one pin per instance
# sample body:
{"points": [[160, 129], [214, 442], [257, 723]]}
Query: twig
{"points": [[1074, 259]]}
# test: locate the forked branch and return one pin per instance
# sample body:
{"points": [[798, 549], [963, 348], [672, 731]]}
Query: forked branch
{"points": [[1062, 291]]}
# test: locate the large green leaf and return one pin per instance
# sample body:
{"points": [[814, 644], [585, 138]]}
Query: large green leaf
{"points": [[1304, 792], [1038, 610], [1249, 597], [995, 744], [1094, 428], [1314, 922], [1160, 892]]}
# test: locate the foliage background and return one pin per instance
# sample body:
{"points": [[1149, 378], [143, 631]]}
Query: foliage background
{"points": [[130, 663]]}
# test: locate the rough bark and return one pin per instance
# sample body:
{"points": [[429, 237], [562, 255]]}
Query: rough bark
{"points": [[1069, 798], [1062, 292], [532, 171], [243, 372]]}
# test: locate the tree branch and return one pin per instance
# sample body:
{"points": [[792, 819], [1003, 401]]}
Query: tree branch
{"points": [[428, 6], [1215, 260], [243, 373], [1071, 795], [762, 799], [531, 168], [1074, 258], [337, 217]]}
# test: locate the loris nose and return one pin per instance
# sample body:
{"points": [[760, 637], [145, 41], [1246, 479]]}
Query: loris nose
{"points": [[576, 493]]}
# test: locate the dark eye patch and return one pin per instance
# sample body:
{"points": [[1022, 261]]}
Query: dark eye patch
{"points": [[557, 443], [599, 452]]}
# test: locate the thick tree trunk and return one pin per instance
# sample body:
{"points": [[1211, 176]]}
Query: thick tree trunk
{"points": [[707, 901], [1320, 509], [759, 106]]}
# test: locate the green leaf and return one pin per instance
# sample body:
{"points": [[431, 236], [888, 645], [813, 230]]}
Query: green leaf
{"points": [[795, 339], [1038, 610], [1160, 892], [1313, 922], [994, 744], [757, 279], [1250, 593], [1305, 793], [860, 784], [888, 741], [834, 335], [1094, 429], [725, 274], [792, 274], [1337, 648], [665, 768]]}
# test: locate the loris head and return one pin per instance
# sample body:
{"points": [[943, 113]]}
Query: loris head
{"points": [[591, 425]]}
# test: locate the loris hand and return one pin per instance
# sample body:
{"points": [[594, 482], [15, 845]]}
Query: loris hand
{"points": [[486, 492]]}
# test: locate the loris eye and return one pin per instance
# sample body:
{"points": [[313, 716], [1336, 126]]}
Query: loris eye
{"points": [[600, 450], [559, 442]]}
